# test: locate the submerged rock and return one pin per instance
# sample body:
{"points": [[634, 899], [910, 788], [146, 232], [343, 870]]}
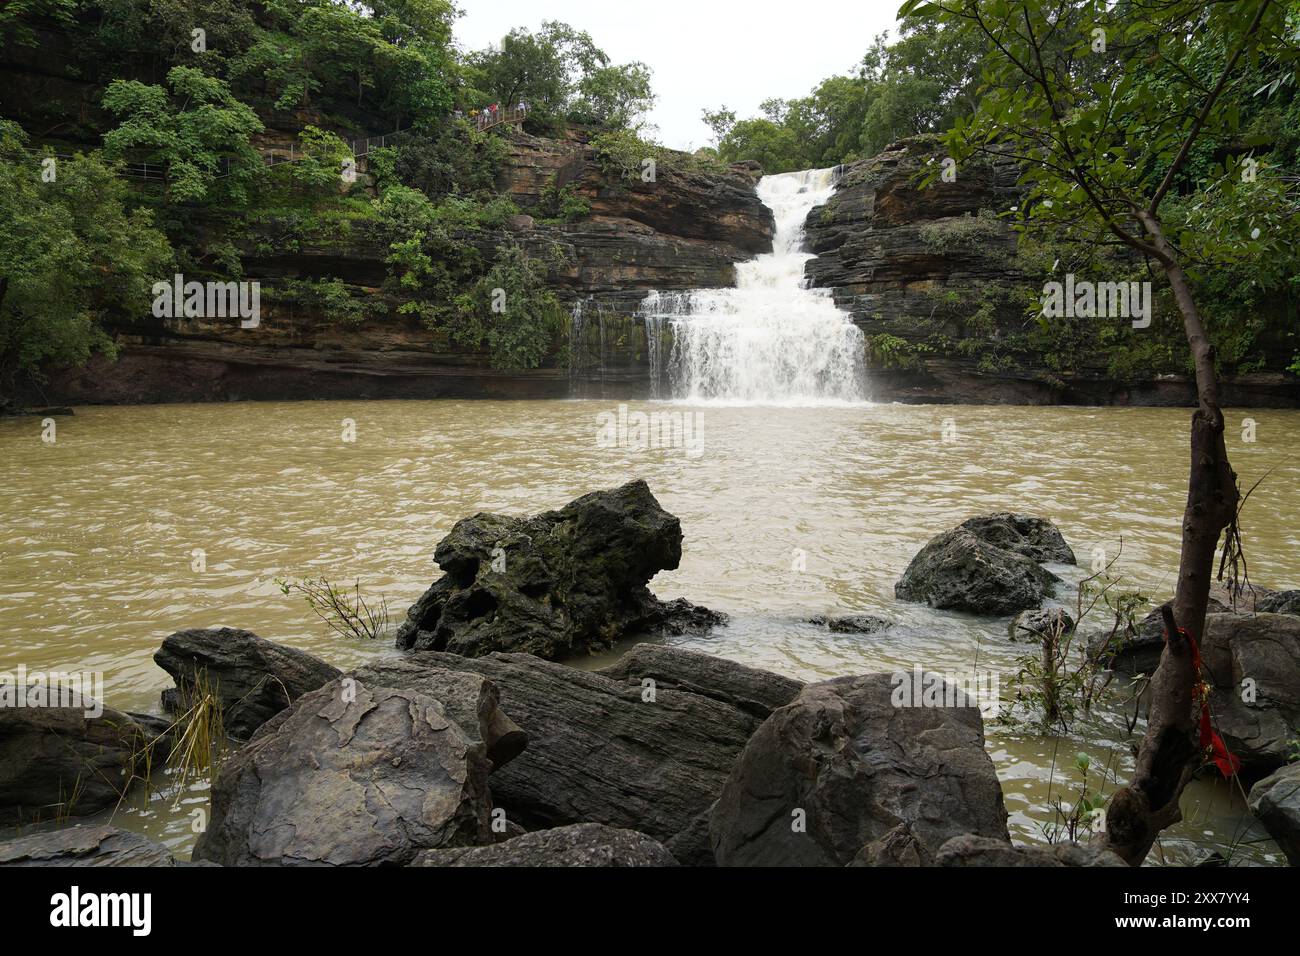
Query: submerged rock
{"points": [[583, 844], [471, 700], [57, 761], [1275, 801], [841, 768], [254, 678], [1253, 664], [960, 571], [556, 584], [851, 623], [84, 846], [350, 774], [645, 746], [1039, 623], [971, 850]]}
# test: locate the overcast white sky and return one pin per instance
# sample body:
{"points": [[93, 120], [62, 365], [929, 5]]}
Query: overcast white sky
{"points": [[704, 53]]}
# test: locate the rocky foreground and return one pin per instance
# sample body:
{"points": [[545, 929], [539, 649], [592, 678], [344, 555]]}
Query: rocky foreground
{"points": [[468, 746]]}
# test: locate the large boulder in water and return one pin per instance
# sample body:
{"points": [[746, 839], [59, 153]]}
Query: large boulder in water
{"points": [[350, 774], [646, 746], [583, 844], [1275, 801], [59, 761], [961, 571], [84, 846], [841, 768], [1253, 664], [470, 699], [254, 678], [1034, 538], [556, 584]]}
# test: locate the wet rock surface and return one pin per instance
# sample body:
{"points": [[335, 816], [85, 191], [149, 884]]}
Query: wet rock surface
{"points": [[470, 699], [255, 678], [557, 584], [1253, 665], [583, 844], [841, 767], [961, 571], [350, 775], [609, 748], [61, 761], [1275, 801], [84, 846], [969, 850]]}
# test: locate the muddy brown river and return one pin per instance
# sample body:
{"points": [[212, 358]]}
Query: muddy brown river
{"points": [[138, 521]]}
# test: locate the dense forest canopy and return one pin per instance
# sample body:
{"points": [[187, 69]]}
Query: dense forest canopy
{"points": [[198, 89]]}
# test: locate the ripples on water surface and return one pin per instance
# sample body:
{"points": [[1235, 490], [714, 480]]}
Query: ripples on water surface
{"points": [[98, 532]]}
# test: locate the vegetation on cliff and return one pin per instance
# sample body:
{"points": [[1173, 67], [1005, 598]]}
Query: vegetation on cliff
{"points": [[176, 111]]}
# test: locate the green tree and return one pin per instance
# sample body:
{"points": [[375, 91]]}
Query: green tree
{"points": [[71, 255], [1105, 104], [193, 132], [511, 313]]}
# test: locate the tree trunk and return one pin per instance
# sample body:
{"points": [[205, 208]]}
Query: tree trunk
{"points": [[1170, 750]]}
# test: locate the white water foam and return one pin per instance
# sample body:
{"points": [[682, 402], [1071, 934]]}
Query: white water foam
{"points": [[771, 340]]}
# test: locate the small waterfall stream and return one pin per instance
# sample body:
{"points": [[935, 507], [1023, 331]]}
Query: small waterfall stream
{"points": [[770, 340]]}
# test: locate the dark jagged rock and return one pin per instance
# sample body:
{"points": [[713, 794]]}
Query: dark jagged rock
{"points": [[1140, 653], [851, 623], [971, 850], [58, 761], [1036, 624], [1282, 602], [1035, 538], [470, 699], [848, 765], [1275, 801], [84, 846], [615, 751], [255, 678], [349, 775], [1253, 664], [583, 844], [556, 584], [959, 571]]}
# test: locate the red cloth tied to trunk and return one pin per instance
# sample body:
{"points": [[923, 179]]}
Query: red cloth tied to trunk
{"points": [[1211, 743]]}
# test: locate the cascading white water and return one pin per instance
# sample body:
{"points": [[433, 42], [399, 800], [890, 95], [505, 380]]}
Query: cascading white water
{"points": [[770, 340]]}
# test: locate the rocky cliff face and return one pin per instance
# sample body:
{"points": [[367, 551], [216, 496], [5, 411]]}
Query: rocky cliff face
{"points": [[929, 276], [684, 230]]}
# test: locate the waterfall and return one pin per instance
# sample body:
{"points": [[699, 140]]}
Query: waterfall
{"points": [[770, 340]]}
